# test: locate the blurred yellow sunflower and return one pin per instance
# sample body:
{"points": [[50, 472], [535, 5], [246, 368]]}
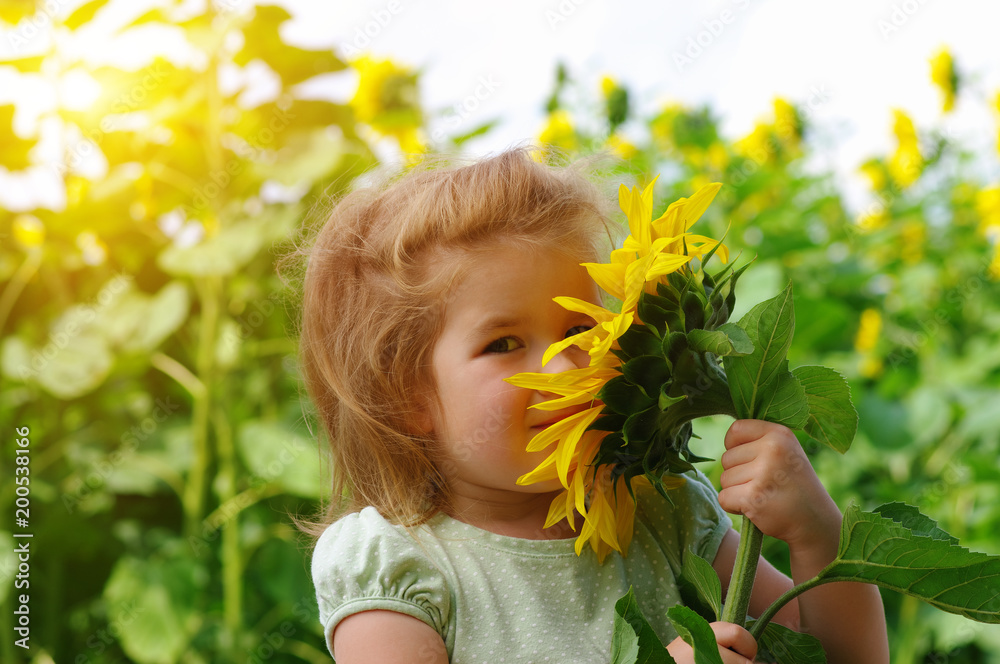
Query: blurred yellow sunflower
{"points": [[559, 131], [388, 100], [944, 75], [906, 163]]}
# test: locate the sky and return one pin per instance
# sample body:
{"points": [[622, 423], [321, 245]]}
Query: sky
{"points": [[847, 64]]}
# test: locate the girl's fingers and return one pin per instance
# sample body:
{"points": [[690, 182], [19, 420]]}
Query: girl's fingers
{"points": [[730, 657], [737, 639], [745, 431], [738, 455], [738, 475]]}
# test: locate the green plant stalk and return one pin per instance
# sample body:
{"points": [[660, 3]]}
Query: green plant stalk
{"points": [[194, 491], [788, 596], [232, 559], [744, 572]]}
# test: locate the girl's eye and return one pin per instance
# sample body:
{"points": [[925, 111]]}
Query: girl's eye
{"points": [[577, 329], [502, 345]]}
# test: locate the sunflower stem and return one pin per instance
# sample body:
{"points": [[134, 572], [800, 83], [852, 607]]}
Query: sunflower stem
{"points": [[744, 572]]}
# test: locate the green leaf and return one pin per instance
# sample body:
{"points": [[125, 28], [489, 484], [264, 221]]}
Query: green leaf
{"points": [[641, 426], [694, 311], [700, 574], [926, 563], [727, 339], [697, 633], [639, 340], [308, 156], [262, 40], [649, 372], [220, 255], [623, 397], [78, 367], [786, 646], [166, 312], [478, 131], [910, 517], [832, 420], [674, 345], [785, 403], [665, 400], [158, 598], [770, 326], [624, 643], [630, 621], [273, 453], [136, 322]]}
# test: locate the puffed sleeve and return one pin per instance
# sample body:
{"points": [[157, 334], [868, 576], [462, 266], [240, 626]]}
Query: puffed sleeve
{"points": [[693, 522], [364, 563]]}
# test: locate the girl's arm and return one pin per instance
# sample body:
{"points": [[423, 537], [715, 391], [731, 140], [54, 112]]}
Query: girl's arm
{"points": [[768, 478], [387, 637]]}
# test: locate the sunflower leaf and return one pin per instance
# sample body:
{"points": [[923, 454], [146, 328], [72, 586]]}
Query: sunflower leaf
{"points": [[752, 377], [727, 339], [648, 371], [633, 641], [785, 402], [698, 575], [639, 340], [623, 397], [641, 426], [785, 646], [898, 548], [697, 633], [832, 420]]}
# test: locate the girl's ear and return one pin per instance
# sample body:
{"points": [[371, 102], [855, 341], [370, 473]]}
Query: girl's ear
{"points": [[423, 417], [423, 422]]}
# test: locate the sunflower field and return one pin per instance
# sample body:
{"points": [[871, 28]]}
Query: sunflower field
{"points": [[148, 378]]}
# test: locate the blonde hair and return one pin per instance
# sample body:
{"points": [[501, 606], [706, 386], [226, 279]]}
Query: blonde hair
{"points": [[374, 296]]}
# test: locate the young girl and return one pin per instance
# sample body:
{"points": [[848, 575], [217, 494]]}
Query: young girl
{"points": [[420, 299]]}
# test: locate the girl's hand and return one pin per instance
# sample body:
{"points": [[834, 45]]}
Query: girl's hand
{"points": [[730, 638], [768, 479]]}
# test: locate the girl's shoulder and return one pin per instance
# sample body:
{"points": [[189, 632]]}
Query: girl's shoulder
{"points": [[363, 525], [365, 539], [364, 562]]}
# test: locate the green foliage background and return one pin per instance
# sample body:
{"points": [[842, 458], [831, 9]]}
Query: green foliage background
{"points": [[170, 440]]}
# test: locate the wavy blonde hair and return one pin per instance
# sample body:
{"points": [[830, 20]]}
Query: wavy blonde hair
{"points": [[375, 291]]}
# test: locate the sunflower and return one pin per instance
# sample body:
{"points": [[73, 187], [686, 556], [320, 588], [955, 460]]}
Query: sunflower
{"points": [[653, 249], [388, 100], [906, 163], [945, 77]]}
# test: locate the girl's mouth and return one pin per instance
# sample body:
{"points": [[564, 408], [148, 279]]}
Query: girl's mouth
{"points": [[557, 418]]}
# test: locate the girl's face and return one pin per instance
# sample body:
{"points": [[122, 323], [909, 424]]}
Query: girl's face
{"points": [[498, 322]]}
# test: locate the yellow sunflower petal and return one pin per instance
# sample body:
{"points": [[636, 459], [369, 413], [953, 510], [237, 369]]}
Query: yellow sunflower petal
{"points": [[563, 344], [665, 264], [698, 203], [555, 383], [545, 471], [564, 402], [558, 512], [553, 433], [699, 245], [567, 448], [635, 280], [597, 312], [609, 276]]}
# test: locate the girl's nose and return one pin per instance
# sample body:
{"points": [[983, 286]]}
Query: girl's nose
{"points": [[570, 358]]}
